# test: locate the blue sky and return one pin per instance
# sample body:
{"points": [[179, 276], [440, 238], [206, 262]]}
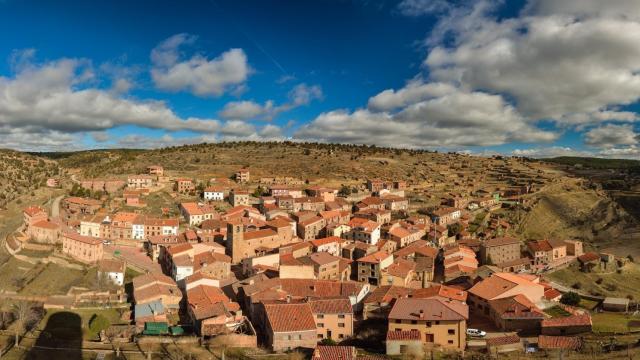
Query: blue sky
{"points": [[524, 77]]}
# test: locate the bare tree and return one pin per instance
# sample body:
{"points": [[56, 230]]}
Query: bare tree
{"points": [[112, 333], [24, 314]]}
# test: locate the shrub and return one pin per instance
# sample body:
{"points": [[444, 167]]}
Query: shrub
{"points": [[577, 285], [570, 298], [599, 281]]}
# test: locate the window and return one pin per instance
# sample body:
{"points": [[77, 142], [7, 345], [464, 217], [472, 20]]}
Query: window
{"points": [[288, 337], [320, 325], [449, 341], [340, 324], [340, 316], [320, 316], [299, 337], [428, 323], [414, 321], [340, 336], [320, 336], [398, 321], [437, 322], [452, 331]]}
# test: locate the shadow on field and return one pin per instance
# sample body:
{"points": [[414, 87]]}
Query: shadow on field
{"points": [[63, 331]]}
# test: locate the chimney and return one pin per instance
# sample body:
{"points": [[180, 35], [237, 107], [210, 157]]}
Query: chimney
{"points": [[288, 298], [421, 314]]}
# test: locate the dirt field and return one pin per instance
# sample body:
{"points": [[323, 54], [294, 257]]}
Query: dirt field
{"points": [[612, 284]]}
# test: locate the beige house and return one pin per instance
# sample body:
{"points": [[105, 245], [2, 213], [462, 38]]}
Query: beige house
{"points": [[440, 323], [333, 317], [287, 326], [82, 248], [499, 250]]}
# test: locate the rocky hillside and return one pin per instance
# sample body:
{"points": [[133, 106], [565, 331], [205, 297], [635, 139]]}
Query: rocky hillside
{"points": [[572, 208]]}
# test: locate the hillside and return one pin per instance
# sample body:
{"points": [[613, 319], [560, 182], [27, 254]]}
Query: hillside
{"points": [[569, 208], [313, 162], [22, 174]]}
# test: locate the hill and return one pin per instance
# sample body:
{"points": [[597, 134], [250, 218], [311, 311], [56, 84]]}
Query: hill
{"points": [[22, 173]]}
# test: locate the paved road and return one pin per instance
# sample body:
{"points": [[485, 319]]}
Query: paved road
{"points": [[55, 207]]}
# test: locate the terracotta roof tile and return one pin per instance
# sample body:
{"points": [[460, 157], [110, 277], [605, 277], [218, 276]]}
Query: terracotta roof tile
{"points": [[288, 317]]}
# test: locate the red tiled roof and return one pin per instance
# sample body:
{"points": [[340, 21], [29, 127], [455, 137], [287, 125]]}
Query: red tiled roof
{"points": [[33, 210], [552, 294], [288, 317], [540, 245], [326, 352], [588, 257], [503, 340], [559, 342], [375, 258], [442, 291], [403, 335], [46, 224], [331, 306], [386, 294], [583, 319]]}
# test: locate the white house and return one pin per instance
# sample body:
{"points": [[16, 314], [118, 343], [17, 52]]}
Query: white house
{"points": [[113, 270], [213, 194], [137, 229], [182, 268]]}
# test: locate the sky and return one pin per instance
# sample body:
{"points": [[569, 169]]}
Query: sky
{"points": [[534, 78]]}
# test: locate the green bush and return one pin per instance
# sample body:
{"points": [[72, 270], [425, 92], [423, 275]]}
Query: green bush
{"points": [[570, 298]]}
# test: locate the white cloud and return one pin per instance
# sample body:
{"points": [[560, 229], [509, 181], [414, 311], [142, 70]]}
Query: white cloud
{"points": [[586, 8], [300, 95], [424, 7], [57, 96], [552, 65], [610, 136], [630, 152], [454, 119], [413, 92], [551, 151], [197, 74], [245, 110]]}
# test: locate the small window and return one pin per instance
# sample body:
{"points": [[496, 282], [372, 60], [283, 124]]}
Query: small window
{"points": [[449, 341], [437, 322], [320, 325], [320, 316], [414, 321], [398, 321], [340, 316], [452, 331], [341, 325]]}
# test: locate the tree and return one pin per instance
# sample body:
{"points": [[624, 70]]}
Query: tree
{"points": [[570, 298], [25, 315], [344, 191], [258, 192], [454, 229]]}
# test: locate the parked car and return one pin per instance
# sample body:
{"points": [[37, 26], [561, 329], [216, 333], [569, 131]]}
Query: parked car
{"points": [[476, 333]]}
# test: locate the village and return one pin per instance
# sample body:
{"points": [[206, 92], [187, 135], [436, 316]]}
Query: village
{"points": [[286, 266]]}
